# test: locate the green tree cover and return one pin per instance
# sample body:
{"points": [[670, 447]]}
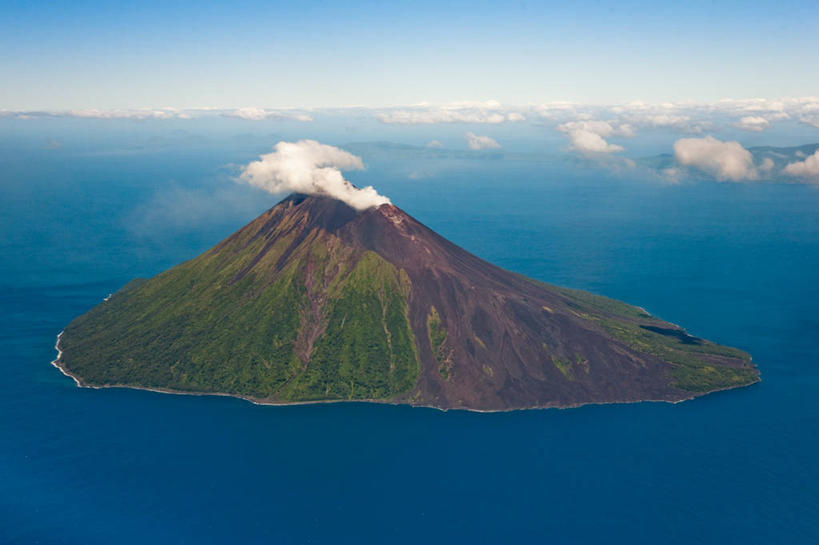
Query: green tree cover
{"points": [[368, 349], [197, 328]]}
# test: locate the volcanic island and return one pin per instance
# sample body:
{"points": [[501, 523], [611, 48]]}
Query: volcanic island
{"points": [[315, 301]]}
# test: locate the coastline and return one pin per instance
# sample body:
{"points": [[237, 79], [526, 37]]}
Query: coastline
{"points": [[56, 363], [260, 401]]}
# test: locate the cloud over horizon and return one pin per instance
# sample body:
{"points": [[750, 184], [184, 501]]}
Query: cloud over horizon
{"points": [[260, 114], [685, 117], [138, 114], [313, 168], [476, 142], [806, 170], [726, 161], [145, 114], [489, 112], [589, 137], [752, 123]]}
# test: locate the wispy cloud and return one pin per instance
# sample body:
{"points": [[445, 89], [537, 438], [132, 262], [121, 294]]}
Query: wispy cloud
{"points": [[689, 118], [476, 142], [812, 120], [95, 113], [752, 123], [802, 109], [142, 114], [491, 112], [182, 209], [260, 114]]}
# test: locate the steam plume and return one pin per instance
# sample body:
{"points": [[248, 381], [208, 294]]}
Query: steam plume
{"points": [[309, 167]]}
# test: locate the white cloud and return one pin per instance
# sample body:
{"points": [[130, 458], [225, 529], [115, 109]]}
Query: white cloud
{"points": [[480, 142], [589, 137], [435, 144], [723, 160], [491, 112], [665, 115], [806, 170], [309, 167], [753, 123], [694, 117], [159, 113], [407, 117], [556, 108], [95, 113], [139, 114], [803, 109], [810, 119], [259, 114], [252, 114], [685, 117], [751, 105], [679, 122], [590, 142]]}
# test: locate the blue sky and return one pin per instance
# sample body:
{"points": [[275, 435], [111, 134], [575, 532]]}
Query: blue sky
{"points": [[610, 83], [319, 54]]}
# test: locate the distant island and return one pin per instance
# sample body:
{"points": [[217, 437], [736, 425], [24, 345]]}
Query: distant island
{"points": [[314, 301]]}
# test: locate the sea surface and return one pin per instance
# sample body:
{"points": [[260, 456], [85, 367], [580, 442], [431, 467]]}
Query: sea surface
{"points": [[735, 263]]}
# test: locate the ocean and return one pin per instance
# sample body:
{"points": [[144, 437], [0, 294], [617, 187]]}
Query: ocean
{"points": [[734, 263]]}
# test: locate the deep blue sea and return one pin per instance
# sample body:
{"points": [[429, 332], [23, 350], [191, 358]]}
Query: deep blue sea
{"points": [[736, 263]]}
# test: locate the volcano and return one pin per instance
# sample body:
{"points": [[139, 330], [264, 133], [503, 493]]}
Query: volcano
{"points": [[315, 301]]}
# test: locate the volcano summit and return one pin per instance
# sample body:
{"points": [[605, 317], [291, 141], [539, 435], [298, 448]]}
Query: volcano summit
{"points": [[316, 301]]}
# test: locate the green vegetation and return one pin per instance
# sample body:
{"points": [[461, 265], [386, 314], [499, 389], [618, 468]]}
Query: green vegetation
{"points": [[214, 324], [569, 367], [564, 366], [693, 360], [368, 350], [437, 337]]}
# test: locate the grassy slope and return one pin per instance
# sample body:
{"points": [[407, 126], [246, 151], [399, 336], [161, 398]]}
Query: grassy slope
{"points": [[691, 358], [193, 329]]}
